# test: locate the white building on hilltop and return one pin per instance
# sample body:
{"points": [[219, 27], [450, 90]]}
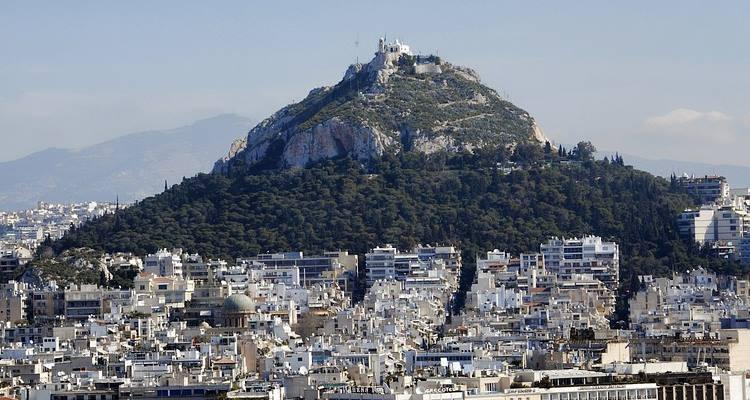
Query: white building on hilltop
{"points": [[387, 56], [395, 47]]}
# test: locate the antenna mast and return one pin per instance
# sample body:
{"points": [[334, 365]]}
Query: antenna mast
{"points": [[356, 47]]}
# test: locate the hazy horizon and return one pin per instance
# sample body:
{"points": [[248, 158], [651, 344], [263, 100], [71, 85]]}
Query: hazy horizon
{"points": [[659, 80]]}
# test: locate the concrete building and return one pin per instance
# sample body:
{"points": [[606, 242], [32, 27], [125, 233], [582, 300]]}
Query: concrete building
{"points": [[164, 263], [333, 266], [83, 301], [173, 291], [387, 262], [588, 255], [274, 274], [712, 224], [12, 260], [708, 189], [13, 302], [729, 351]]}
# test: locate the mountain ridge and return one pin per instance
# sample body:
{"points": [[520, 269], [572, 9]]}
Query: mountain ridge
{"points": [[130, 167]]}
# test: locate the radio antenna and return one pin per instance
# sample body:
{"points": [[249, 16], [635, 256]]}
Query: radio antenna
{"points": [[356, 47]]}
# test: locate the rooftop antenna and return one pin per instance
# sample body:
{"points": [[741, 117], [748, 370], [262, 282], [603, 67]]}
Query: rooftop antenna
{"points": [[356, 46]]}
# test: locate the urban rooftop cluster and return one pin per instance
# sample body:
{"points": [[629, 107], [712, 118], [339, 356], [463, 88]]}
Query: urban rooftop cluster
{"points": [[722, 223], [535, 326]]}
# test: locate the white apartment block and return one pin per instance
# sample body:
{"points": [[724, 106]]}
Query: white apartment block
{"points": [[709, 189], [496, 259], [275, 274], [171, 290], [164, 263], [589, 255], [332, 266], [387, 262], [523, 272], [711, 224]]}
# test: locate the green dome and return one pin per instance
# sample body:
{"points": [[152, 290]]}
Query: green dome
{"points": [[238, 303]]}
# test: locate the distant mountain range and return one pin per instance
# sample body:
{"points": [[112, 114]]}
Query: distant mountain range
{"points": [[132, 166], [737, 175]]}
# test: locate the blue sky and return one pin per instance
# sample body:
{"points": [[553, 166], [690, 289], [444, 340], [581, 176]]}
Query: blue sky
{"points": [[658, 79]]}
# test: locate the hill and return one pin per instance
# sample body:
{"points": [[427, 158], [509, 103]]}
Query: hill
{"points": [[405, 151], [408, 199], [132, 166], [396, 102]]}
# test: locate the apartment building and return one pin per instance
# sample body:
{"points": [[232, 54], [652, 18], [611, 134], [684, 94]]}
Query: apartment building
{"points": [[589, 255], [333, 266], [729, 350], [712, 224], [387, 262], [164, 263], [708, 189]]}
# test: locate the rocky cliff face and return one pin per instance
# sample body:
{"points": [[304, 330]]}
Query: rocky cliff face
{"points": [[334, 138], [396, 102]]}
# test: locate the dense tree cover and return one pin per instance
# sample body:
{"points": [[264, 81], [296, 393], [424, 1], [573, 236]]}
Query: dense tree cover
{"points": [[463, 199]]}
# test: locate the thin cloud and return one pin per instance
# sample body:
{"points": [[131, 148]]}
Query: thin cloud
{"points": [[681, 117], [687, 134]]}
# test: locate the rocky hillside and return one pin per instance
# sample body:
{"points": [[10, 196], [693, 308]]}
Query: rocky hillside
{"points": [[81, 265], [395, 102]]}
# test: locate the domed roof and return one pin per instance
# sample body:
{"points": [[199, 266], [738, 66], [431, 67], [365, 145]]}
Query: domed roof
{"points": [[238, 303]]}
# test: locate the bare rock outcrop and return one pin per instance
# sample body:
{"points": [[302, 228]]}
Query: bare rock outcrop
{"points": [[335, 138]]}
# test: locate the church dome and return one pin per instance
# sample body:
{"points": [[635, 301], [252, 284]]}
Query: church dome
{"points": [[238, 303]]}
